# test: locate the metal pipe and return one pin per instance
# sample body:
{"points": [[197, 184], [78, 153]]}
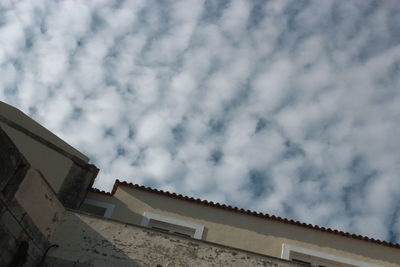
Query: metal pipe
{"points": [[45, 253]]}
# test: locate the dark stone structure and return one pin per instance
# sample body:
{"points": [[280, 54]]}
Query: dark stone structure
{"points": [[13, 166], [21, 242], [76, 185]]}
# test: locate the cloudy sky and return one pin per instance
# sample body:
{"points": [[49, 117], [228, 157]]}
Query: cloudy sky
{"points": [[286, 107]]}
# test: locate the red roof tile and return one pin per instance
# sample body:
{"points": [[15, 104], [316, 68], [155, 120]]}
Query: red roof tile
{"points": [[247, 212]]}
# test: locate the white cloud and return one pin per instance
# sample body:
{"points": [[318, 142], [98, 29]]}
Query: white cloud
{"points": [[194, 99], [157, 164], [9, 75], [234, 19], [153, 130]]}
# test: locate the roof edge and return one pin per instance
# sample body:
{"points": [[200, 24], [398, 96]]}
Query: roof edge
{"points": [[117, 183], [18, 120]]}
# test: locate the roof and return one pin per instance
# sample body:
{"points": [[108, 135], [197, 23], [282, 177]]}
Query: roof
{"points": [[117, 183]]}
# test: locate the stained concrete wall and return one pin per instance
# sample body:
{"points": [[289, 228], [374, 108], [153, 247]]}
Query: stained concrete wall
{"points": [[65, 169], [28, 221], [40, 203], [86, 240], [53, 165], [21, 244], [13, 116], [29, 209], [243, 231]]}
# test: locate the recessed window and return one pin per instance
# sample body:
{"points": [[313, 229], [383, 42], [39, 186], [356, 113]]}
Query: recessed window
{"points": [[306, 263], [308, 260], [171, 225], [98, 207], [308, 257]]}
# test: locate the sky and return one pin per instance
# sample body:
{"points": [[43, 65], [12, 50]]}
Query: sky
{"points": [[291, 108]]}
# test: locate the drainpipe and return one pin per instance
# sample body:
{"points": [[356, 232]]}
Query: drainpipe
{"points": [[45, 253]]}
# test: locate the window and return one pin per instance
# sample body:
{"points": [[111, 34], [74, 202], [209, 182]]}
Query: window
{"points": [[308, 260], [309, 257], [172, 225], [97, 207]]}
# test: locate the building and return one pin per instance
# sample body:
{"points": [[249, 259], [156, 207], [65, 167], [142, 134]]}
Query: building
{"points": [[50, 216]]}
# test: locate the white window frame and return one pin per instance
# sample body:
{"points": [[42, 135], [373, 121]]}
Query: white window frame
{"points": [[108, 206], [286, 249], [198, 228]]}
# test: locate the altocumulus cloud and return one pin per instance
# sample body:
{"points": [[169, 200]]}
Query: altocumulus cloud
{"points": [[286, 107]]}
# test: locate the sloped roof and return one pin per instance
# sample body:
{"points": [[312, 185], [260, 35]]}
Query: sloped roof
{"points": [[245, 212]]}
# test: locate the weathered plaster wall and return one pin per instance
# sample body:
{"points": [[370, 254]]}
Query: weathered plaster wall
{"points": [[28, 221], [18, 242], [76, 185], [65, 168], [30, 210], [40, 203], [243, 231], [13, 239], [22, 243], [86, 240], [53, 165], [11, 115]]}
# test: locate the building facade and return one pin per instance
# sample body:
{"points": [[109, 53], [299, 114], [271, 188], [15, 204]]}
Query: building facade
{"points": [[50, 216]]}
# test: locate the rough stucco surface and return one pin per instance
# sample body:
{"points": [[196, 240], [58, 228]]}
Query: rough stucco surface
{"points": [[86, 240], [21, 242], [235, 229], [67, 178], [53, 165], [19, 120], [76, 185], [40, 203], [13, 166], [28, 221]]}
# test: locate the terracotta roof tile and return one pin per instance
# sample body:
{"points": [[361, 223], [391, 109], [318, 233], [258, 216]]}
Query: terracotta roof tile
{"points": [[247, 212]]}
